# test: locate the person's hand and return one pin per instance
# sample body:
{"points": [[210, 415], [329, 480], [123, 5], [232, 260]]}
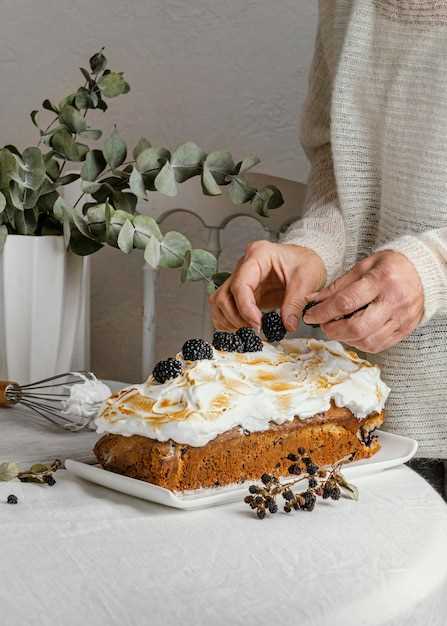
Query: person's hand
{"points": [[269, 275], [389, 284]]}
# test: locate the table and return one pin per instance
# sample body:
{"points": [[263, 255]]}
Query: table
{"points": [[79, 554]]}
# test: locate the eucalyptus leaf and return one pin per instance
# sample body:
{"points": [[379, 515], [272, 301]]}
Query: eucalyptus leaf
{"points": [[83, 99], [115, 150], [145, 228], [87, 76], [31, 171], [83, 246], [59, 209], [247, 164], [3, 237], [90, 187], [174, 247], [209, 184], [26, 222], [64, 144], [33, 116], [71, 118], [98, 63], [199, 265], [2, 202], [93, 165], [187, 161], [48, 106], [152, 253], [240, 190], [52, 168], [266, 200], [152, 159], [8, 471], [124, 200], [165, 181], [7, 166], [136, 184], [125, 238], [142, 145], [91, 133], [221, 165], [113, 84]]}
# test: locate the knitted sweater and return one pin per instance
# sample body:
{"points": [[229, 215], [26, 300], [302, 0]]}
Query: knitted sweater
{"points": [[375, 132]]}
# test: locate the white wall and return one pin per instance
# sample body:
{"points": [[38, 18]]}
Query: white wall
{"points": [[225, 73]]}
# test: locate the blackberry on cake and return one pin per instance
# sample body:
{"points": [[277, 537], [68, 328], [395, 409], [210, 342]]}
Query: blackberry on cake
{"points": [[251, 341], [165, 370], [197, 350], [273, 327], [227, 342]]}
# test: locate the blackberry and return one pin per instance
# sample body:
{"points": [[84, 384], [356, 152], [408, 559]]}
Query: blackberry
{"points": [[12, 499], [272, 326], [250, 340], [287, 494], [197, 350], [227, 342], [253, 489], [165, 370]]}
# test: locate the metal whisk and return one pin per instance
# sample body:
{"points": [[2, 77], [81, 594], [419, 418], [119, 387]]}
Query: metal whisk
{"points": [[48, 398]]}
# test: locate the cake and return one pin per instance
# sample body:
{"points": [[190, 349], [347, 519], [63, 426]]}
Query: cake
{"points": [[237, 415]]}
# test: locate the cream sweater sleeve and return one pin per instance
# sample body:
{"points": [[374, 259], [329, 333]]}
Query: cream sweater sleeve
{"points": [[321, 228], [428, 253]]}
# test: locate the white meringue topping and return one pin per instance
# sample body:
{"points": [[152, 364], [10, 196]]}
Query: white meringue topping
{"points": [[250, 390]]}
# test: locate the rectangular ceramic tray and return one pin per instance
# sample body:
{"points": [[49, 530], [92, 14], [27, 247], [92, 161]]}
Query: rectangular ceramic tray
{"points": [[395, 451]]}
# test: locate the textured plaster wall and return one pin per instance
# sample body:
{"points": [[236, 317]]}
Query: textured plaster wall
{"points": [[226, 73]]}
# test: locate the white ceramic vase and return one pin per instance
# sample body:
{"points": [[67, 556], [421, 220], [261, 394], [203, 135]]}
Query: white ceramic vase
{"points": [[43, 307]]}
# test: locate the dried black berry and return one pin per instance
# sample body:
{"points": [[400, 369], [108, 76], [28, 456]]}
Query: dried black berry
{"points": [[272, 327], [312, 483], [273, 507], [335, 493], [50, 480], [312, 469], [12, 499], [293, 457], [287, 494], [253, 489], [266, 479], [259, 500], [307, 461], [227, 342], [165, 370], [260, 513], [301, 451], [287, 508], [248, 499], [196, 350], [309, 501], [295, 469]]}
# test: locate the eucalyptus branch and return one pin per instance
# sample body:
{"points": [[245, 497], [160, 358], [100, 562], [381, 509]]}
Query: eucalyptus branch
{"points": [[31, 182]]}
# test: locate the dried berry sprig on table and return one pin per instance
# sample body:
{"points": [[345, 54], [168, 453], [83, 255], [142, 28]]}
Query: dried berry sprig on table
{"points": [[42, 473], [324, 482]]}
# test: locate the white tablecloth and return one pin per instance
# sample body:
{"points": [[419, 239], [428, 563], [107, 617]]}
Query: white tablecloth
{"points": [[77, 554]]}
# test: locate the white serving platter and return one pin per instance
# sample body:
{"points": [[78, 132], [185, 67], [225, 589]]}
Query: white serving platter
{"points": [[395, 451]]}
